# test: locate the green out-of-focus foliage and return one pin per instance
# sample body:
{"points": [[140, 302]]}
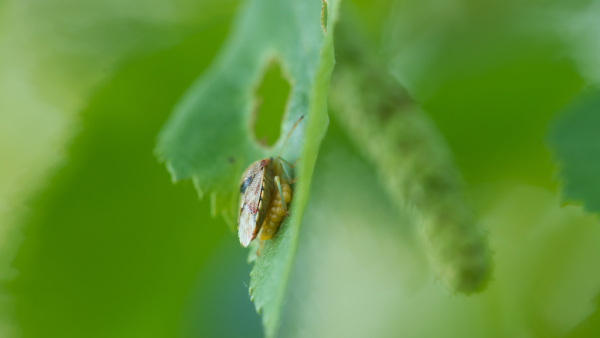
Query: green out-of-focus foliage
{"points": [[112, 248], [360, 270], [575, 140], [492, 74], [457, 129]]}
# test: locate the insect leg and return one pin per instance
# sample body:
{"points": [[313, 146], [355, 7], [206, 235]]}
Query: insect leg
{"points": [[290, 164], [288, 177], [259, 248], [295, 162], [278, 182], [289, 134], [286, 169]]}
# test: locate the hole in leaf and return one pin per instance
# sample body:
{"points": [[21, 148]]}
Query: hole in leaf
{"points": [[271, 96], [324, 15]]}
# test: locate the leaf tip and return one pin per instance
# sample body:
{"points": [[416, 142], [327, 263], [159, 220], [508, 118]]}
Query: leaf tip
{"points": [[213, 204], [196, 183], [171, 171]]}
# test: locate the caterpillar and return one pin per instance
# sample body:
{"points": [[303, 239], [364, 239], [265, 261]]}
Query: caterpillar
{"points": [[413, 161]]}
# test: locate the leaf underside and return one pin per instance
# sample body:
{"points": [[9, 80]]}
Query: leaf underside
{"points": [[209, 136]]}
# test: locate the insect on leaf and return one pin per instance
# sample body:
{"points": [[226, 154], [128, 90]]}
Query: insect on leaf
{"points": [[209, 138]]}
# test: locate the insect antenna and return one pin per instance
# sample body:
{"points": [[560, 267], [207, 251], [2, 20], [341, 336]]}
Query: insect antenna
{"points": [[289, 134]]}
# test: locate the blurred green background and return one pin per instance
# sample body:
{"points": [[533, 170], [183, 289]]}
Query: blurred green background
{"points": [[95, 240]]}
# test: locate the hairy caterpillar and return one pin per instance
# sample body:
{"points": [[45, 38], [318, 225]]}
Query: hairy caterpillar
{"points": [[413, 161]]}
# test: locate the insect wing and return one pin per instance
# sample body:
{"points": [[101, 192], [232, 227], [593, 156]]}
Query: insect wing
{"points": [[246, 181], [248, 227], [253, 191]]}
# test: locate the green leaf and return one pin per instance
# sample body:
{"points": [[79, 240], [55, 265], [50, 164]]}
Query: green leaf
{"points": [[575, 140], [208, 138]]}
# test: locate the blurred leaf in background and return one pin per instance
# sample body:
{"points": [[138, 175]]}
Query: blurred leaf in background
{"points": [[113, 249], [491, 74], [575, 140], [53, 56]]}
